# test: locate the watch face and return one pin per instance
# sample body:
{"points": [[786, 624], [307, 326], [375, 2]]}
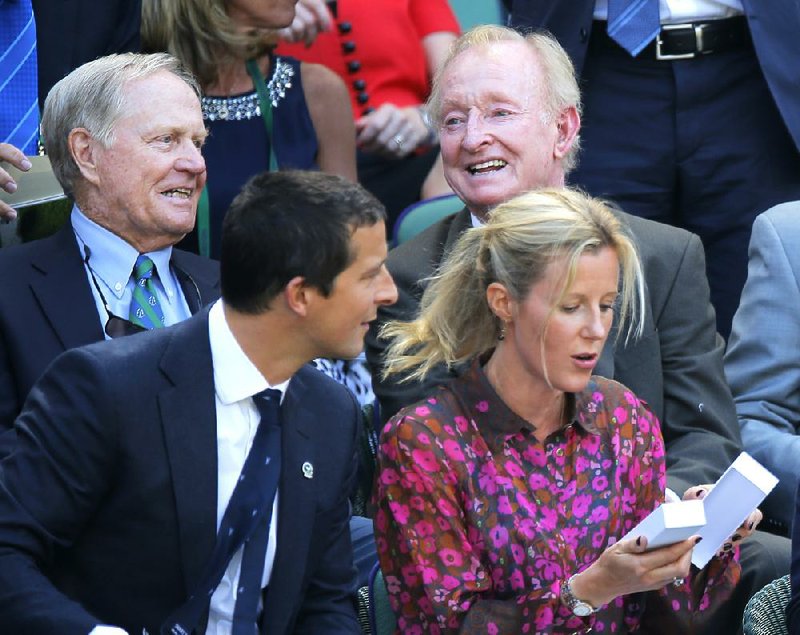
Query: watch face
{"points": [[581, 609]]}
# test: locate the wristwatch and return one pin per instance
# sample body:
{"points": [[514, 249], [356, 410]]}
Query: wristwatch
{"points": [[578, 607]]}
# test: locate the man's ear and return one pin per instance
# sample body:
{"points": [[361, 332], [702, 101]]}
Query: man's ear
{"points": [[500, 302], [569, 123], [298, 296], [82, 146]]}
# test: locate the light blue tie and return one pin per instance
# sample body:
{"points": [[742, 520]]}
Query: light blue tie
{"points": [[633, 23], [19, 109]]}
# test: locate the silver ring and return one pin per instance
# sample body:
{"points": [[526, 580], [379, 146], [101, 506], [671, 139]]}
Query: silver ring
{"points": [[398, 140], [677, 581]]}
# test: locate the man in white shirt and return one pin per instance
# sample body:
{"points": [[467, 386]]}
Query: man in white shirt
{"points": [[131, 454]]}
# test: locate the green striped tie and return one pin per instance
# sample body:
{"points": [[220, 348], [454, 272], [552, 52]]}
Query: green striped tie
{"points": [[145, 309]]}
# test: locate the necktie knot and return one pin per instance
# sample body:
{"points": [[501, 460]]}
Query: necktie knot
{"points": [[143, 269], [268, 403]]}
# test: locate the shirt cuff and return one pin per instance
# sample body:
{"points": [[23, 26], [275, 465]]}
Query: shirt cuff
{"points": [[100, 629]]}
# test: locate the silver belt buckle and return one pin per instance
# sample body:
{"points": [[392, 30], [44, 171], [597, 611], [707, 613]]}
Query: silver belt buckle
{"points": [[698, 41]]}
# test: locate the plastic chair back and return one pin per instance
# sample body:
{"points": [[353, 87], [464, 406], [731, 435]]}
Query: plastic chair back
{"points": [[421, 215]]}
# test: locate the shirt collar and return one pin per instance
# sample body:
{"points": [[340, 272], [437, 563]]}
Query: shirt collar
{"points": [[479, 395], [235, 376], [112, 258]]}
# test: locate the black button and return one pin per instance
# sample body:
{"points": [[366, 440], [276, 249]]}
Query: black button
{"points": [[359, 84], [345, 27], [367, 111], [584, 34], [349, 46], [362, 98], [354, 66]]}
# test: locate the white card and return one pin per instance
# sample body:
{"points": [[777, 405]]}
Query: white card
{"points": [[670, 523]]}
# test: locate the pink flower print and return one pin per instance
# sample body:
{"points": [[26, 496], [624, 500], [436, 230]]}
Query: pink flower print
{"points": [[503, 506], [644, 426], [381, 544], [423, 438], [399, 512], [392, 584], [461, 423], [514, 470], [482, 406], [537, 481], [547, 569], [599, 514], [445, 507], [443, 523], [409, 573], [631, 399], [621, 414], [600, 483], [518, 553], [535, 455], [491, 628], [543, 619], [381, 520], [450, 583], [449, 430], [527, 528], [453, 450], [424, 528], [598, 397], [598, 538], [422, 411], [429, 575], [549, 519], [389, 476], [425, 459], [425, 606], [498, 536], [486, 479], [417, 502], [517, 581], [451, 557]]}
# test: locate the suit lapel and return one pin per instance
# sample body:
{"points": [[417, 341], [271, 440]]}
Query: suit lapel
{"points": [[188, 416], [296, 506], [200, 288], [63, 288]]}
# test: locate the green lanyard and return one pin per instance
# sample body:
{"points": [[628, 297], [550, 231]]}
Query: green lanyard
{"points": [[203, 206]]}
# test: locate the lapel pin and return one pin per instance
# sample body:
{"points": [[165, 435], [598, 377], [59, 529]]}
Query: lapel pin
{"points": [[308, 470]]}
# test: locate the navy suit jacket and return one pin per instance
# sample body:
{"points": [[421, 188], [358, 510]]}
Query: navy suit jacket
{"points": [[773, 25], [108, 503], [47, 307]]}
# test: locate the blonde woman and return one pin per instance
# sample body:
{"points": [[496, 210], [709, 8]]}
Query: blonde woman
{"points": [[263, 111], [503, 495]]}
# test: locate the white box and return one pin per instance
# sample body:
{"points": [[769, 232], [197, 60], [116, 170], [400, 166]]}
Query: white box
{"points": [[670, 523]]}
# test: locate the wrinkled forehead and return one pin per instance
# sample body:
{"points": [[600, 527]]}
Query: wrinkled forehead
{"points": [[483, 74]]}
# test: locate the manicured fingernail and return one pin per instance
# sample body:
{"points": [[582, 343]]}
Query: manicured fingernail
{"points": [[639, 541], [700, 493], [751, 525], [736, 537], [26, 165], [697, 540], [10, 187]]}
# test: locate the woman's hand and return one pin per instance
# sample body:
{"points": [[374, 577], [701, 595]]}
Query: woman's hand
{"points": [[626, 567], [698, 492], [311, 18], [15, 157], [391, 131]]}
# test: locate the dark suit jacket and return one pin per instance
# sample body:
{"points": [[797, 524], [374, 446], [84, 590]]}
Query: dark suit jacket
{"points": [[773, 25], [108, 504], [72, 32], [47, 307], [676, 366]]}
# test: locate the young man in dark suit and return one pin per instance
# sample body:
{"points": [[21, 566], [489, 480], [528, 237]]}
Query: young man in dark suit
{"points": [[132, 454]]}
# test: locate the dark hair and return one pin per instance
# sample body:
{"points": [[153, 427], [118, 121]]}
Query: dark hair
{"points": [[287, 224]]}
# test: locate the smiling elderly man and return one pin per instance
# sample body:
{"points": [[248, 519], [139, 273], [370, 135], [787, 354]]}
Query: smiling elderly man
{"points": [[123, 134]]}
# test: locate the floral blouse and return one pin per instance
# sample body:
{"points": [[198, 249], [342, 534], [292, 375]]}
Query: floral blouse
{"points": [[478, 523]]}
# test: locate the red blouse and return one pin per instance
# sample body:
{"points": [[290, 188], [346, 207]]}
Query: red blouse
{"points": [[376, 48]]}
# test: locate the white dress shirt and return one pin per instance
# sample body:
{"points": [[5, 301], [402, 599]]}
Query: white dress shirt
{"points": [[677, 11]]}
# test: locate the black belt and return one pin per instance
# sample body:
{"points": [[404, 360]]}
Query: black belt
{"points": [[688, 40]]}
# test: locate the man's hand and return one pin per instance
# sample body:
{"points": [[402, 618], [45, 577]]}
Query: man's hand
{"points": [[311, 18], [16, 158]]}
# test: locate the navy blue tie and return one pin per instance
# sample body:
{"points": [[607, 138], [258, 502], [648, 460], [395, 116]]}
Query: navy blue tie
{"points": [[245, 523], [633, 23], [19, 108]]}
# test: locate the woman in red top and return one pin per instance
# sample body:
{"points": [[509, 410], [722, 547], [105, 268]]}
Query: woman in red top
{"points": [[386, 52]]}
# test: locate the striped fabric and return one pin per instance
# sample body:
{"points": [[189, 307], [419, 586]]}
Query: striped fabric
{"points": [[633, 23]]}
